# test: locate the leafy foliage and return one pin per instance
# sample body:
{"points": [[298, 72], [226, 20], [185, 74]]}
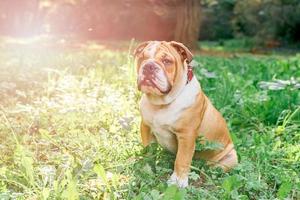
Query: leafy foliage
{"points": [[216, 19], [270, 22]]}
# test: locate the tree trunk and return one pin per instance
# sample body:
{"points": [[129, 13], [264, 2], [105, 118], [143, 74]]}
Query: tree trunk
{"points": [[188, 22]]}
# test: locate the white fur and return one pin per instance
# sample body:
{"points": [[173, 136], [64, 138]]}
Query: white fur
{"points": [[152, 47], [180, 182], [161, 121], [161, 79]]}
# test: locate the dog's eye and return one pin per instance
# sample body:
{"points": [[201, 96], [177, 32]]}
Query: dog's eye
{"points": [[166, 61]]}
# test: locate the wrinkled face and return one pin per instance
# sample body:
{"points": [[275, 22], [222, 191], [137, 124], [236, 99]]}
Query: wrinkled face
{"points": [[158, 67]]}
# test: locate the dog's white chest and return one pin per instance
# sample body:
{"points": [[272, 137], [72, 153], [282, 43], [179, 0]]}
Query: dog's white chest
{"points": [[162, 120], [161, 123]]}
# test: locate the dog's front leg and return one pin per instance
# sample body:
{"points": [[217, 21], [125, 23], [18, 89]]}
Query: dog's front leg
{"points": [[146, 135], [185, 152]]}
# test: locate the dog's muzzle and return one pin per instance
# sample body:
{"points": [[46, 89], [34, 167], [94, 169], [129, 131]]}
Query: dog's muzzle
{"points": [[152, 75]]}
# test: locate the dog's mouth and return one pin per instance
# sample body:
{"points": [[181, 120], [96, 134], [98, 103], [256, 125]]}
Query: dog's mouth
{"points": [[153, 80], [146, 84]]}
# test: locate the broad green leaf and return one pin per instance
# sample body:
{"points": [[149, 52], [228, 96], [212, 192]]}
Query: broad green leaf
{"points": [[71, 192], [26, 163], [284, 190], [45, 193], [180, 194], [170, 192], [99, 170], [231, 183]]}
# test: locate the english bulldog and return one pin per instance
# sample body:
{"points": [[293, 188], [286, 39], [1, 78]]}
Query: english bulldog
{"points": [[175, 111]]}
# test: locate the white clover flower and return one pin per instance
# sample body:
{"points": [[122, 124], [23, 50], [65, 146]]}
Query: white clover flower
{"points": [[279, 84], [48, 174]]}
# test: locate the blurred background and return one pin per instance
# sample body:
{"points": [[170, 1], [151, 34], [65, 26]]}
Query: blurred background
{"points": [[267, 23]]}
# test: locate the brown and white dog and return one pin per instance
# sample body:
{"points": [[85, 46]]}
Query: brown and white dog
{"points": [[175, 111]]}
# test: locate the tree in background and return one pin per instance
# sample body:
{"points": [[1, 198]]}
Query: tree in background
{"points": [[187, 22], [185, 17]]}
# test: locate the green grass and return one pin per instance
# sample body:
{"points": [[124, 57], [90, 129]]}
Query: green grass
{"points": [[233, 45], [69, 128], [249, 45]]}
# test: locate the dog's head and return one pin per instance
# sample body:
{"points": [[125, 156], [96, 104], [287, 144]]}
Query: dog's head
{"points": [[160, 65]]}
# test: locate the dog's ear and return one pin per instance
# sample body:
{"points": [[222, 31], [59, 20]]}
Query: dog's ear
{"points": [[140, 48], [185, 53]]}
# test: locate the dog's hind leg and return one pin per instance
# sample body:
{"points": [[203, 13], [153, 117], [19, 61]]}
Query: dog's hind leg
{"points": [[227, 162]]}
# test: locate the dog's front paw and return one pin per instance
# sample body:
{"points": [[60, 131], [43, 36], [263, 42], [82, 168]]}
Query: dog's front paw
{"points": [[180, 182]]}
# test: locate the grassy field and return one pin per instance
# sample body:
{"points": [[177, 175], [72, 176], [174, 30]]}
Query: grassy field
{"points": [[69, 127]]}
